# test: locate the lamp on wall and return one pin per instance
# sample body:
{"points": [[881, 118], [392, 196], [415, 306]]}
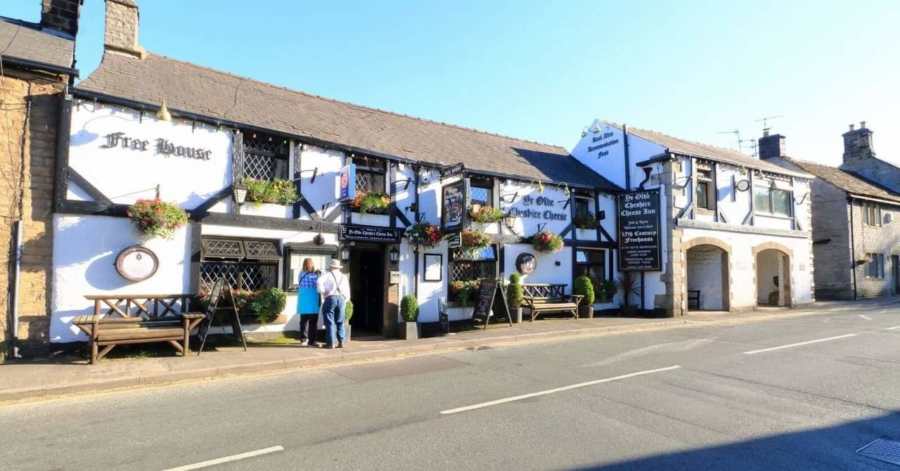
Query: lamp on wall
{"points": [[345, 253], [240, 193], [163, 113], [394, 255]]}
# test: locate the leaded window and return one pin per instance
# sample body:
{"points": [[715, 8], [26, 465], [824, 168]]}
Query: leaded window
{"points": [[370, 175], [265, 156], [467, 269], [244, 264]]}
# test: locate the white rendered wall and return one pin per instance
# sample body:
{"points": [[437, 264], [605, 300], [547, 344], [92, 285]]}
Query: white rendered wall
{"points": [[125, 175], [326, 165], [84, 253], [704, 274]]}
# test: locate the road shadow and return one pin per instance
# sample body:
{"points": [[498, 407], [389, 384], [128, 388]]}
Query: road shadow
{"points": [[820, 449]]}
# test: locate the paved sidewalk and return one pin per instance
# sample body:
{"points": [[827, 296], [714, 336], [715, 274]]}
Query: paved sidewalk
{"points": [[35, 380]]}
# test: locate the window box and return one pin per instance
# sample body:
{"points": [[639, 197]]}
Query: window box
{"points": [[371, 219], [267, 209]]}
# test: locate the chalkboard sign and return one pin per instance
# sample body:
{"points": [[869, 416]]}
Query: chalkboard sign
{"points": [[491, 301], [639, 231], [231, 312]]}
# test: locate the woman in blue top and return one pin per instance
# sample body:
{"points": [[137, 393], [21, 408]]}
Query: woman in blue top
{"points": [[308, 303]]}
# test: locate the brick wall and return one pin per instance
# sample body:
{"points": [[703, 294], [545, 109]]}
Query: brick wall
{"points": [[27, 159]]}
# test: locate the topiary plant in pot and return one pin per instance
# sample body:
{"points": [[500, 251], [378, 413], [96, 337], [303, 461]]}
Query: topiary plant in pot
{"points": [[515, 294], [409, 310], [584, 287]]}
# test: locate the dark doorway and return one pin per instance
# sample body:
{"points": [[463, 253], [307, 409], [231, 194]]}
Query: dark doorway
{"points": [[895, 262], [367, 290]]}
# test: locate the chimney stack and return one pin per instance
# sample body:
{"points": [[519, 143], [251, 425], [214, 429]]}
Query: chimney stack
{"points": [[858, 143], [121, 33], [771, 146], [61, 15]]}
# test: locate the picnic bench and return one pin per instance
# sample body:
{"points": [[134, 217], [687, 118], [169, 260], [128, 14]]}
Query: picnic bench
{"points": [[139, 318], [546, 298]]}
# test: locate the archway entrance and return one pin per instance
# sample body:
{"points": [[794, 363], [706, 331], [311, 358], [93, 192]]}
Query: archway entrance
{"points": [[707, 278], [773, 282]]}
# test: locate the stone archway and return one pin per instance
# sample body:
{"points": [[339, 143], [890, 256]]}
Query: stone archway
{"points": [[708, 282], [772, 274]]}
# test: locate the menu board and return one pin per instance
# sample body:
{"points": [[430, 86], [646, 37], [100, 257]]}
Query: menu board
{"points": [[639, 230], [491, 301], [453, 207]]}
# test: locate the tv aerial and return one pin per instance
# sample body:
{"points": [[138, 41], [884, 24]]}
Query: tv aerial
{"points": [[765, 122], [737, 135]]}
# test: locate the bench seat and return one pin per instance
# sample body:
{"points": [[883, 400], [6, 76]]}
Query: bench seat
{"points": [[538, 305], [107, 331]]}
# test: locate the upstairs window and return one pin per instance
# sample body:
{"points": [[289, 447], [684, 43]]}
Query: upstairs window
{"points": [[265, 156], [481, 191], [370, 175], [872, 214], [768, 200], [706, 194]]}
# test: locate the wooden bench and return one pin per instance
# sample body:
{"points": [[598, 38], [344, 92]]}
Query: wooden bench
{"points": [[538, 305], [130, 319]]}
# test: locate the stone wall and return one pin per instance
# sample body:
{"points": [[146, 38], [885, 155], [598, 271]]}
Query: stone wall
{"points": [[27, 167], [831, 237], [883, 239]]}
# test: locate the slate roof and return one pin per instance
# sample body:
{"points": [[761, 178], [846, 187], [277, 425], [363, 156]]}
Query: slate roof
{"points": [[191, 88], [706, 151], [846, 181], [21, 40]]}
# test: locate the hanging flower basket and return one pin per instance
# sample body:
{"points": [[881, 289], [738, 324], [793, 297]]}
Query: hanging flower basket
{"points": [[485, 214], [546, 241], [371, 203], [425, 234], [157, 218], [473, 240]]}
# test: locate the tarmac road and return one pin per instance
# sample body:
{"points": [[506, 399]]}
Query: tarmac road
{"points": [[798, 393]]}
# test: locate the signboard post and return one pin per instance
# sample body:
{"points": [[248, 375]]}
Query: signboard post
{"points": [[639, 230], [490, 301]]}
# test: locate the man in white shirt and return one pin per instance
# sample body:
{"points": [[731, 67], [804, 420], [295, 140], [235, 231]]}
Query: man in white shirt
{"points": [[335, 290]]}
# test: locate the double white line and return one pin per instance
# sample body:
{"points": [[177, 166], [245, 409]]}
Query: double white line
{"points": [[556, 390]]}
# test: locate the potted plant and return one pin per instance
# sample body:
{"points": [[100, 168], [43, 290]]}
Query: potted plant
{"points": [[515, 294], [464, 290], [585, 220], [546, 241], [485, 214], [267, 305], [409, 310], [629, 285], [606, 291], [277, 191], [371, 203], [156, 218], [348, 314], [584, 287], [422, 233]]}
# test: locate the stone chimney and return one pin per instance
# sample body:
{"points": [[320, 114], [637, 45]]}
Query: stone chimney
{"points": [[61, 15], [121, 35], [858, 144], [771, 145]]}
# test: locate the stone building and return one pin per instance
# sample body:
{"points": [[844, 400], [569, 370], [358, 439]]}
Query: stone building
{"points": [[856, 236], [37, 70], [733, 233]]}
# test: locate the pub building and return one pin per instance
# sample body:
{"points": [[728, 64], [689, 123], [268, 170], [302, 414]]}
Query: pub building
{"points": [[270, 177], [701, 227]]}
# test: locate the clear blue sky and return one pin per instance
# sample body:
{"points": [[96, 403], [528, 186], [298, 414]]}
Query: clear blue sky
{"points": [[543, 70]]}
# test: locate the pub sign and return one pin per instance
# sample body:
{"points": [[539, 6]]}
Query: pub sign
{"points": [[639, 230], [347, 183], [454, 201]]}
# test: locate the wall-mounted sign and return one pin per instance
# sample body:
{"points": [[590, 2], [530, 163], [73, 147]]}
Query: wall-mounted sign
{"points": [[601, 142], [453, 208], [434, 266], [363, 233], [542, 208], [526, 263], [639, 230], [136, 263], [347, 187], [161, 146]]}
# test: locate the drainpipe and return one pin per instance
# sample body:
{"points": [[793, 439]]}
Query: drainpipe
{"points": [[16, 263], [416, 250], [852, 248]]}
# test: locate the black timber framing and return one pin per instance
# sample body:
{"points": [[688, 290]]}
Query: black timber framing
{"points": [[88, 187], [64, 129]]}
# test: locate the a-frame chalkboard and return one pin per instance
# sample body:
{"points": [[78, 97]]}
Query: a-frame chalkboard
{"points": [[230, 312], [491, 302]]}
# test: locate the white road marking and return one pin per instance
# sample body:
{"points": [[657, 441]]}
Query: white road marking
{"points": [[896, 327], [863, 316], [799, 344], [228, 459], [556, 390]]}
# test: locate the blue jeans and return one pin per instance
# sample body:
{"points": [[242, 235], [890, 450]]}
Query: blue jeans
{"points": [[333, 314]]}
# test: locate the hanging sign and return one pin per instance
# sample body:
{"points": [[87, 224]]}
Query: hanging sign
{"points": [[347, 187], [454, 200], [639, 230], [363, 233]]}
